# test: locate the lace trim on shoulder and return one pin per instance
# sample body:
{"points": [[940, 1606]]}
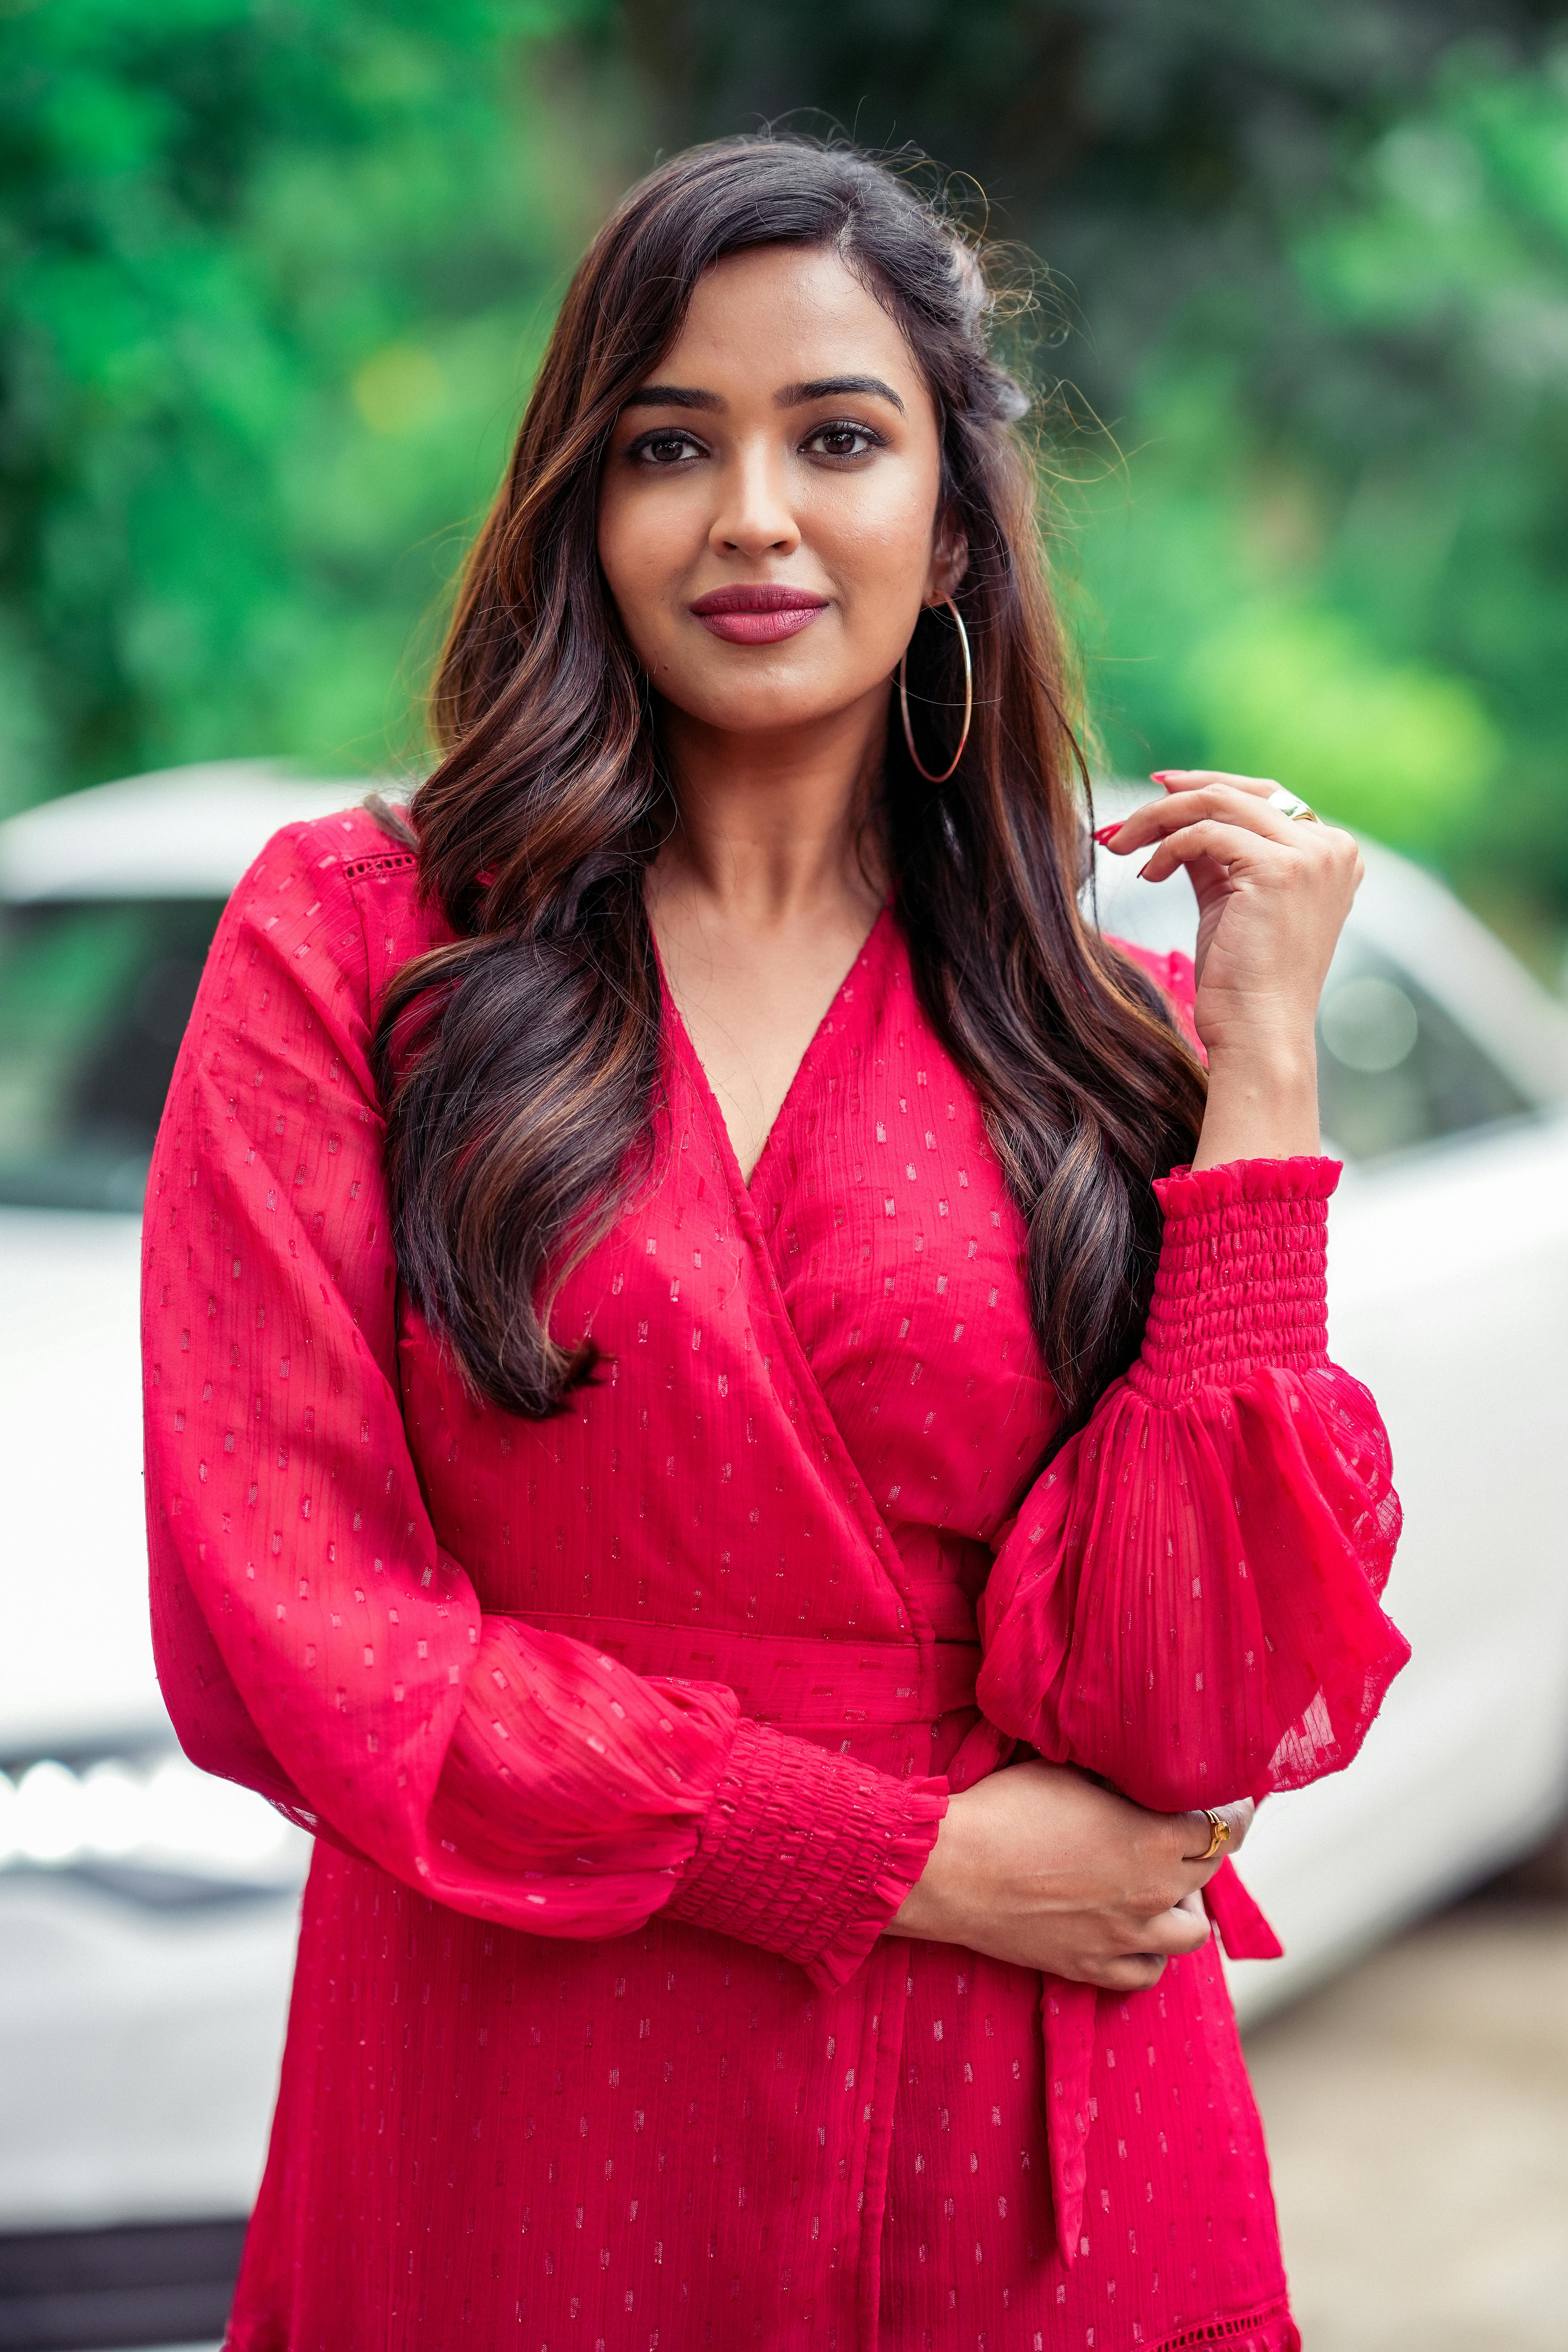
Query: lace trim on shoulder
{"points": [[389, 861]]}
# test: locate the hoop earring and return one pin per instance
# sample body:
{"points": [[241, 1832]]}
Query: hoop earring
{"points": [[968, 700]]}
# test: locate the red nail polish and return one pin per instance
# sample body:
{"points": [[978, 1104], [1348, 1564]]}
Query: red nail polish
{"points": [[1106, 834]]}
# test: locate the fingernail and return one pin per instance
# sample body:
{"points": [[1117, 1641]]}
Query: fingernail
{"points": [[1144, 871], [1106, 834]]}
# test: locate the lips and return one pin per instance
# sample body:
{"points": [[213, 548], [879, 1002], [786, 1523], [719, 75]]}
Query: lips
{"points": [[759, 615]]}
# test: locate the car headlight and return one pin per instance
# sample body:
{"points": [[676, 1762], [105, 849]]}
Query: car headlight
{"points": [[152, 1815]]}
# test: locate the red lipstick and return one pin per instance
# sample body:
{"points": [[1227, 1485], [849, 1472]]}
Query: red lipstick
{"points": [[759, 615]]}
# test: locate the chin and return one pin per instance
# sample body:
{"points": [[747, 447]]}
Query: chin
{"points": [[762, 702]]}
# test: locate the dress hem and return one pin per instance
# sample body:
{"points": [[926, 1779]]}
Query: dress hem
{"points": [[1271, 2329]]}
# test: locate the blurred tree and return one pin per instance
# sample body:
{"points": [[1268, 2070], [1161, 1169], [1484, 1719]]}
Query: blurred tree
{"points": [[1344, 539], [272, 276], [1314, 254]]}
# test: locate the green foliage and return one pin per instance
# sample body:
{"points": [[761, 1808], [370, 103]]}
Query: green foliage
{"points": [[1313, 256], [1367, 475], [1405, 753], [274, 274]]}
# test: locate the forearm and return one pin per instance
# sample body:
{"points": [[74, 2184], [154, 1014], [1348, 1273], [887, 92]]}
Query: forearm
{"points": [[1216, 1538]]}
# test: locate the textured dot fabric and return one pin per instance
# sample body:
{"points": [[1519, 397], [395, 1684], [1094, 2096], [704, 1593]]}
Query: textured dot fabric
{"points": [[625, 1734]]}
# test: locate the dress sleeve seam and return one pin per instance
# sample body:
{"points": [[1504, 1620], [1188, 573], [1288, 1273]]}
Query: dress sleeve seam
{"points": [[348, 872]]}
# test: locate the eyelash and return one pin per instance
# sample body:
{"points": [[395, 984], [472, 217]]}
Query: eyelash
{"points": [[640, 451]]}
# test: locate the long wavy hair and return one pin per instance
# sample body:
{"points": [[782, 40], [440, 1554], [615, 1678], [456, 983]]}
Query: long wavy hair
{"points": [[519, 1063]]}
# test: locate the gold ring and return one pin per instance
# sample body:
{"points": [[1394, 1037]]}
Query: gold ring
{"points": [[1296, 810], [1219, 1836]]}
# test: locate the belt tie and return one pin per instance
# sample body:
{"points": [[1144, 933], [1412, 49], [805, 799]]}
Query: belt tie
{"points": [[1069, 2011]]}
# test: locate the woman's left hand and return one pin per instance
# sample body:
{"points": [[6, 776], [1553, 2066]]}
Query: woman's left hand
{"points": [[1273, 892]]}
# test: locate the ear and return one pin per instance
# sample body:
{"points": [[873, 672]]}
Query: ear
{"points": [[949, 560]]}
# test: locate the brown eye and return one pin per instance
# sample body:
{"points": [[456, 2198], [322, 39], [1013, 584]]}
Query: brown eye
{"points": [[664, 449], [844, 440]]}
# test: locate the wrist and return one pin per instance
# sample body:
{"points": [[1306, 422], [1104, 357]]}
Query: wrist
{"points": [[1278, 1061], [1262, 1101], [924, 1913]]}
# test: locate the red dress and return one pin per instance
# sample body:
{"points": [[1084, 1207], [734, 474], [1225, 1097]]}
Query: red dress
{"points": [[625, 1733]]}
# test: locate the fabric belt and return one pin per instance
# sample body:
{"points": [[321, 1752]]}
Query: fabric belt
{"points": [[812, 1684], [818, 1685]]}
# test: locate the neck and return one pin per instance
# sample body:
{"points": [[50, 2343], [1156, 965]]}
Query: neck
{"points": [[773, 827]]}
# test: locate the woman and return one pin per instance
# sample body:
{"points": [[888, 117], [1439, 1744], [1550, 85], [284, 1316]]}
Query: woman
{"points": [[646, 1269]]}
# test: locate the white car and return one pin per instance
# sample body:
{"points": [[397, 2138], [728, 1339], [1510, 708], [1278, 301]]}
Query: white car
{"points": [[147, 1914]]}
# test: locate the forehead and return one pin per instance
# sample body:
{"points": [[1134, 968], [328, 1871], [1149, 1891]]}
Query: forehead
{"points": [[788, 314]]}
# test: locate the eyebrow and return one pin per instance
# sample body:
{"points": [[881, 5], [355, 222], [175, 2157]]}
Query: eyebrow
{"points": [[671, 395], [789, 396], [828, 387]]}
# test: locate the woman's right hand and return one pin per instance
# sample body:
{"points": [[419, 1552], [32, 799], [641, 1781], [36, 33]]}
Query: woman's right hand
{"points": [[1040, 1865]]}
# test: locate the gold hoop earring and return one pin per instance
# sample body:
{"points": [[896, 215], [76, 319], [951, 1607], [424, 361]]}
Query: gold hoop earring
{"points": [[968, 700]]}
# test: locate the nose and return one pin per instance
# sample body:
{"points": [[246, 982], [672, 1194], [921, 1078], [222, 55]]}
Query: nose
{"points": [[755, 516]]}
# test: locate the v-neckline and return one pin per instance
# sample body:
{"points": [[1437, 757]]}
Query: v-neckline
{"points": [[746, 1186]]}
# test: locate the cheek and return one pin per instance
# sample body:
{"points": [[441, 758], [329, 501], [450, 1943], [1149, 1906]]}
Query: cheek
{"points": [[878, 551], [881, 538], [644, 550], [622, 551]]}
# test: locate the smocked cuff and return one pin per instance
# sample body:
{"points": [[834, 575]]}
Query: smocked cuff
{"points": [[806, 1853], [1242, 1282]]}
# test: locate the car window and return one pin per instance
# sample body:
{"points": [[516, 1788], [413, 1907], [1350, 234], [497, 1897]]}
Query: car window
{"points": [[1394, 1068], [94, 998]]}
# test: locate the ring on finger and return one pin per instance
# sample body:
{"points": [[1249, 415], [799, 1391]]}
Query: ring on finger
{"points": [[1298, 811], [1219, 1836]]}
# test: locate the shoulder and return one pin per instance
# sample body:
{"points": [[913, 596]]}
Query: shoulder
{"points": [[336, 892], [1173, 974], [315, 859], [328, 855]]}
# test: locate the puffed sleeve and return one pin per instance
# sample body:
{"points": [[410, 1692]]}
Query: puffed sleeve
{"points": [[313, 1639], [1188, 1600]]}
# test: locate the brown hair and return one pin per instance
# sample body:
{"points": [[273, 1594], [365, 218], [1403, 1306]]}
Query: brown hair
{"points": [[519, 1063]]}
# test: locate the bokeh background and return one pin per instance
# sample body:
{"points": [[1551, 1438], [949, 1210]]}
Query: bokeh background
{"points": [[275, 275]]}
